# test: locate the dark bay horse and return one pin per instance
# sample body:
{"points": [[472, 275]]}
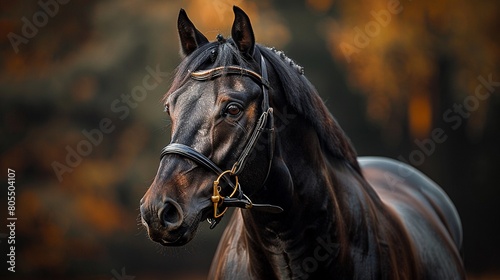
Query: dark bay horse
{"points": [[249, 131]]}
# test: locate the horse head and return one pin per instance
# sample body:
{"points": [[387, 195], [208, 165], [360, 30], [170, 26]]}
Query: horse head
{"points": [[219, 107]]}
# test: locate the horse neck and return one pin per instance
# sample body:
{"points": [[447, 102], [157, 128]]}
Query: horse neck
{"points": [[326, 203]]}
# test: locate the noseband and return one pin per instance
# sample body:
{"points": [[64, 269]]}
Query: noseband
{"points": [[265, 123]]}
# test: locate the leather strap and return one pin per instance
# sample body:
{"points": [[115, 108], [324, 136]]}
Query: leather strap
{"points": [[186, 151], [199, 158], [246, 204], [259, 128]]}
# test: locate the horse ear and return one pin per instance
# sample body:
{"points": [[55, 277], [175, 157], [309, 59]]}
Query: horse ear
{"points": [[190, 37], [242, 32]]}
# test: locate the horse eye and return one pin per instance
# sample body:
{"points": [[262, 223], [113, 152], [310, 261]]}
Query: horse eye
{"points": [[233, 109]]}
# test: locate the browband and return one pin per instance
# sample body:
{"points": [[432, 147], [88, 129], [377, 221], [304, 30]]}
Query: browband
{"points": [[203, 75]]}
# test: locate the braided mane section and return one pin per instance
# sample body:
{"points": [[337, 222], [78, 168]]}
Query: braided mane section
{"points": [[288, 61]]}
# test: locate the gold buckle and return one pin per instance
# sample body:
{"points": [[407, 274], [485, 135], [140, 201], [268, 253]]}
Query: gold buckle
{"points": [[217, 198]]}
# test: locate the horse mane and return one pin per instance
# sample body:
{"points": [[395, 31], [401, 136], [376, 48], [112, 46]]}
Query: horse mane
{"points": [[300, 93], [302, 97]]}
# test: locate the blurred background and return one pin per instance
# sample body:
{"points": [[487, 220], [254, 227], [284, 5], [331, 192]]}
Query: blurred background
{"points": [[83, 134]]}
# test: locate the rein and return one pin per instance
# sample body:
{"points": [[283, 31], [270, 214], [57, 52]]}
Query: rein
{"points": [[265, 123]]}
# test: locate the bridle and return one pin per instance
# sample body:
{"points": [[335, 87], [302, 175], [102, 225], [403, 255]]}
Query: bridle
{"points": [[265, 123]]}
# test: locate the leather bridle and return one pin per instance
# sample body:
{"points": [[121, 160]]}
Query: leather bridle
{"points": [[265, 123]]}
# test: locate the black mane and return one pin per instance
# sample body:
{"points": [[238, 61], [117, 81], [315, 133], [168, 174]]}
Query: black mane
{"points": [[300, 93]]}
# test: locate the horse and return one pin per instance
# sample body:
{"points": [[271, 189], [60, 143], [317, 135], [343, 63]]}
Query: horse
{"points": [[250, 132]]}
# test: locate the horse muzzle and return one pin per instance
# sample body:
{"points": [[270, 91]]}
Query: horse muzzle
{"points": [[166, 222]]}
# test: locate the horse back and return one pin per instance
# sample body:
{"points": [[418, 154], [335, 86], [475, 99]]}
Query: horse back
{"points": [[430, 218]]}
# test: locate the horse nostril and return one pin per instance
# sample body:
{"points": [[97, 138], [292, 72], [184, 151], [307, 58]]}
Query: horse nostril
{"points": [[171, 214]]}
